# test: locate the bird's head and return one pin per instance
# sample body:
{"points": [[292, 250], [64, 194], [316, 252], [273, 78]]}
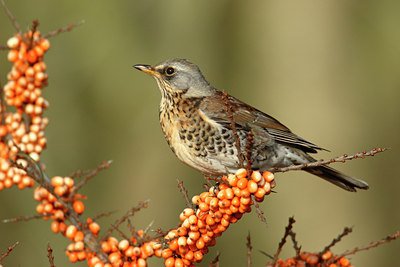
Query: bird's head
{"points": [[179, 76]]}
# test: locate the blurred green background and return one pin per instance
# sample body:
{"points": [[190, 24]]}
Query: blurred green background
{"points": [[329, 70]]}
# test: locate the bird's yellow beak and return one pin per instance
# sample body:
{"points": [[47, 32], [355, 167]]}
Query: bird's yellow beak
{"points": [[148, 69]]}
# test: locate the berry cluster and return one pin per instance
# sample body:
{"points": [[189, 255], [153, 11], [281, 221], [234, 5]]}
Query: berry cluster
{"points": [[314, 259], [217, 209], [23, 130]]}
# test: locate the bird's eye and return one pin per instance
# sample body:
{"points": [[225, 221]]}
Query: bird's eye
{"points": [[169, 71]]}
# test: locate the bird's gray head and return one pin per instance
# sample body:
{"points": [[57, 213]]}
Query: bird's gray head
{"points": [[179, 75]]}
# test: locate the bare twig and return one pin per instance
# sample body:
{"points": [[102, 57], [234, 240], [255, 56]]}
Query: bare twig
{"points": [[9, 249], [91, 173], [11, 16], [67, 28], [288, 229], [131, 212], [50, 255], [346, 231], [260, 213], [215, 261], [326, 162], [184, 191], [25, 218], [296, 246], [103, 214], [266, 254], [249, 248], [387, 239]]}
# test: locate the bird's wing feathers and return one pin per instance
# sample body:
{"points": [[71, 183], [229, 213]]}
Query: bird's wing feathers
{"points": [[220, 106]]}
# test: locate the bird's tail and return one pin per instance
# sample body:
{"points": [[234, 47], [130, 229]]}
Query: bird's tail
{"points": [[337, 178]]}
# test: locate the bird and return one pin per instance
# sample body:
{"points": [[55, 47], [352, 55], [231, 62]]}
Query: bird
{"points": [[213, 132]]}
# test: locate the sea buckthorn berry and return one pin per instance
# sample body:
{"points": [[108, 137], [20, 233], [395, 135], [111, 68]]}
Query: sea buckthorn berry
{"points": [[123, 244], [327, 255], [267, 188], [252, 186], [241, 173], [71, 232], [196, 200], [170, 262], [114, 257], [344, 262], [242, 183], [232, 180], [13, 42], [44, 44], [55, 226], [268, 176], [198, 255], [260, 193], [141, 262], [182, 241], [79, 245], [256, 176], [78, 206], [12, 55], [57, 181], [79, 236], [312, 259]]}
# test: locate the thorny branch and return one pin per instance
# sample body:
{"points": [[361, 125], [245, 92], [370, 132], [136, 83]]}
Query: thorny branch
{"points": [[343, 158], [11, 16], [9, 249], [67, 28], [24, 218], [50, 255], [249, 248], [288, 229], [346, 231], [91, 173], [184, 191], [387, 239], [131, 212]]}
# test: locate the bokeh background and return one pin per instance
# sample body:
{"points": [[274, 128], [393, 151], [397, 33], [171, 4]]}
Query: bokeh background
{"points": [[329, 70]]}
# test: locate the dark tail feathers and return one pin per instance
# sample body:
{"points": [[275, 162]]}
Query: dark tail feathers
{"points": [[337, 178]]}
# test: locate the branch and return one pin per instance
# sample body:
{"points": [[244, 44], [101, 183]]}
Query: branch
{"points": [[11, 16], [288, 229], [329, 161], [9, 249], [387, 239], [67, 28]]}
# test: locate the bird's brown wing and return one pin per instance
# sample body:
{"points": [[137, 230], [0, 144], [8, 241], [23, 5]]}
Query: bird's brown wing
{"points": [[220, 106]]}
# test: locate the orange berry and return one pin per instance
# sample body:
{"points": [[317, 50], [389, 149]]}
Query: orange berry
{"points": [[232, 180], [71, 232], [57, 181], [114, 257], [241, 173], [141, 262], [198, 255], [173, 245], [178, 262], [123, 244], [200, 243], [203, 206], [78, 206], [256, 176], [209, 220], [327, 255], [196, 200], [12, 55], [79, 236], [242, 183], [170, 262], [39, 51], [94, 227], [44, 44], [252, 186], [312, 259], [260, 193], [344, 262], [31, 56], [79, 245], [73, 257], [55, 226], [268, 176], [189, 255]]}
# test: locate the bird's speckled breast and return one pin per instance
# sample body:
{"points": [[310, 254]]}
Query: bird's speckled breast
{"points": [[195, 140]]}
